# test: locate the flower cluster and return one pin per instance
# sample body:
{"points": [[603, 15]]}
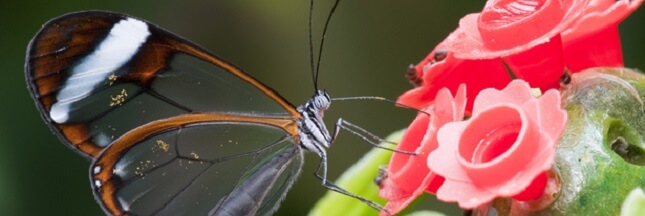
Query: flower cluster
{"points": [[537, 40], [507, 144]]}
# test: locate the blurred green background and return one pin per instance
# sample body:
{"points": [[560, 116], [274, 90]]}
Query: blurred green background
{"points": [[368, 48]]}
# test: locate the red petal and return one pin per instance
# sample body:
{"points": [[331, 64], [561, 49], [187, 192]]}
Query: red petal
{"points": [[434, 185], [511, 134], [417, 97], [541, 66], [601, 49], [599, 15], [410, 142], [467, 41], [505, 24], [409, 176], [593, 41], [535, 190], [452, 72], [517, 93], [497, 140]]}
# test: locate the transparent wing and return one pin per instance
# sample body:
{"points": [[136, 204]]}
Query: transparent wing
{"points": [[97, 75], [197, 166]]}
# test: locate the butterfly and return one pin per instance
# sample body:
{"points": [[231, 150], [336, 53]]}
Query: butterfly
{"points": [[170, 128]]}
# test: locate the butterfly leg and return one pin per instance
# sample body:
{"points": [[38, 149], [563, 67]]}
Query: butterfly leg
{"points": [[364, 135], [323, 164], [331, 186]]}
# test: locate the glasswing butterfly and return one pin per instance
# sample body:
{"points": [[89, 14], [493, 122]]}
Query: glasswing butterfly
{"points": [[170, 128]]}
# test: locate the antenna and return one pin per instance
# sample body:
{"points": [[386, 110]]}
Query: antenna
{"points": [[311, 46], [315, 71], [380, 99], [322, 40]]}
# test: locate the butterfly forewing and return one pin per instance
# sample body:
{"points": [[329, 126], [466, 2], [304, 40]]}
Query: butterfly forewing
{"points": [[97, 75]]}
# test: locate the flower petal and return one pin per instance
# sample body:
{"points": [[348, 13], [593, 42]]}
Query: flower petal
{"points": [[462, 192], [593, 41], [410, 142], [409, 176], [444, 160], [517, 92], [552, 119], [467, 42], [417, 97], [541, 66], [451, 73], [599, 14], [506, 24], [511, 134]]}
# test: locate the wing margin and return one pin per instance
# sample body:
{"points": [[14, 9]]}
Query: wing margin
{"points": [[102, 173], [64, 41]]}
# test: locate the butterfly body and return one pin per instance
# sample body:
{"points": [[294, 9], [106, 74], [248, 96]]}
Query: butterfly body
{"points": [[170, 128]]}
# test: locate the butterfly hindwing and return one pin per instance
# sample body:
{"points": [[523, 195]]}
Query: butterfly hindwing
{"points": [[97, 75], [198, 164]]}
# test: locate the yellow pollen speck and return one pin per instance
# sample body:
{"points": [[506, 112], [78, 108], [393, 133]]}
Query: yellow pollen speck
{"points": [[163, 145], [119, 99], [112, 78]]}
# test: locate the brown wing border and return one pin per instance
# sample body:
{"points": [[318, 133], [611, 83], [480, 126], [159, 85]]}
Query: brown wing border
{"points": [[42, 81], [108, 157]]}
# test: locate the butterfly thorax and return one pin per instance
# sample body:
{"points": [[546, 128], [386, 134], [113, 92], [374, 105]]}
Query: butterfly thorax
{"points": [[312, 130]]}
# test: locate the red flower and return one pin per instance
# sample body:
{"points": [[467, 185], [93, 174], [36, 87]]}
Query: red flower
{"points": [[408, 176], [450, 72], [593, 41], [536, 39], [524, 34], [477, 53], [504, 150]]}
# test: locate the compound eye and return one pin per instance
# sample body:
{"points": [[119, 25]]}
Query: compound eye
{"points": [[321, 103], [321, 100]]}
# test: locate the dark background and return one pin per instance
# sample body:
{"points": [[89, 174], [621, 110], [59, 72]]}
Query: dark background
{"points": [[368, 47]]}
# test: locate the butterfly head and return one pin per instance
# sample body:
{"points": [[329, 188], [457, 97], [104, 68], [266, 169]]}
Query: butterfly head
{"points": [[321, 100]]}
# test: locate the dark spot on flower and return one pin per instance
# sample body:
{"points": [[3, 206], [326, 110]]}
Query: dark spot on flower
{"points": [[440, 55], [382, 175], [411, 75], [565, 78], [468, 212]]}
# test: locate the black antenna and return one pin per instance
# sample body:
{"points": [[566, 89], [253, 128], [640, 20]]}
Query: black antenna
{"points": [[311, 46], [315, 71], [322, 40]]}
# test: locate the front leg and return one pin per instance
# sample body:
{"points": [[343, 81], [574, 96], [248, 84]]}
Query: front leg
{"points": [[356, 131], [331, 186], [337, 128]]}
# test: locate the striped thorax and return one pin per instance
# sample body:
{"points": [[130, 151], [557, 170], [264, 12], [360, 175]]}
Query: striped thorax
{"points": [[313, 132]]}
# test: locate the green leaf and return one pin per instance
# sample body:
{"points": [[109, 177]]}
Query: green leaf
{"points": [[358, 179]]}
